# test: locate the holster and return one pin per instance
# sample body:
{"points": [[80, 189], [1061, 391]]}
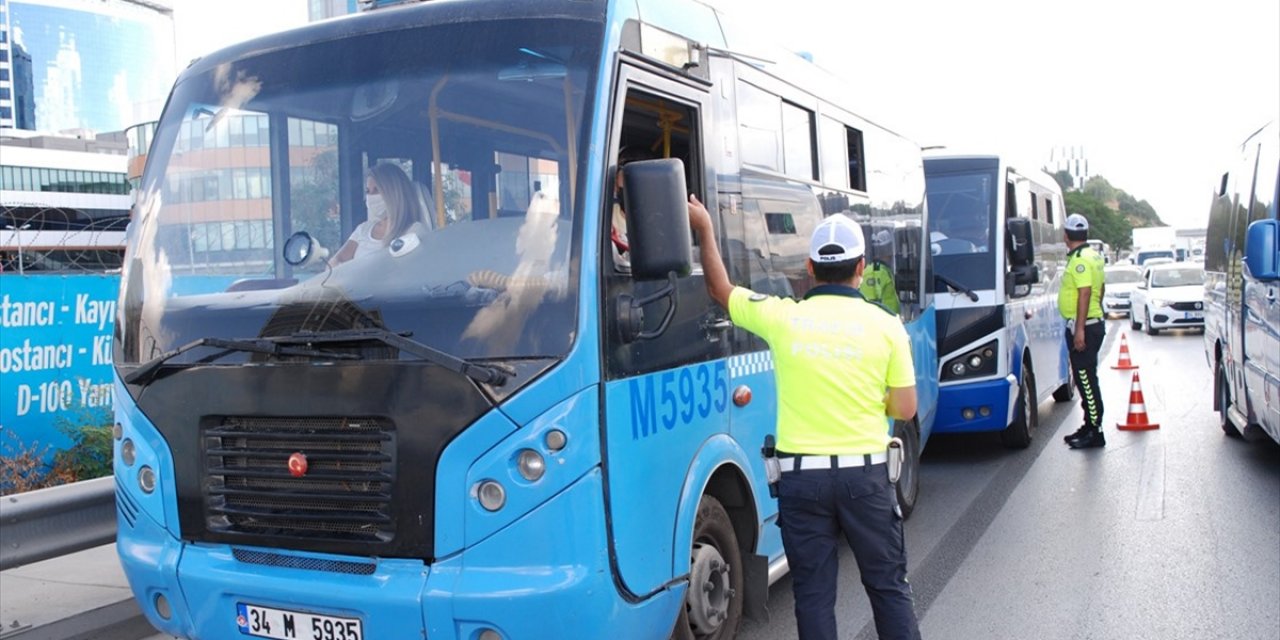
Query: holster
{"points": [[894, 453]]}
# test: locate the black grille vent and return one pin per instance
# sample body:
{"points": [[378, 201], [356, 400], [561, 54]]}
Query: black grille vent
{"points": [[344, 495], [1188, 306], [127, 506], [307, 564]]}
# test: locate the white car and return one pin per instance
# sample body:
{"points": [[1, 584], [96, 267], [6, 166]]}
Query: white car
{"points": [[1120, 283], [1169, 296]]}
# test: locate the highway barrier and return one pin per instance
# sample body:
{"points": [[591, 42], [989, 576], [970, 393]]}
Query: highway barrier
{"points": [[47, 523]]}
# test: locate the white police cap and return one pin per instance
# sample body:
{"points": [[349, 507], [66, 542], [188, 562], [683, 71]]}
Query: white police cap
{"points": [[1076, 222], [838, 231]]}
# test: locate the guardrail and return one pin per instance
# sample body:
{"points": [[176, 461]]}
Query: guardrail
{"points": [[47, 523]]}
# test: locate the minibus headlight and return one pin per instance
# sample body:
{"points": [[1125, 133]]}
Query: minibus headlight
{"points": [[128, 452], [531, 465], [491, 495], [980, 361], [556, 440], [146, 479]]}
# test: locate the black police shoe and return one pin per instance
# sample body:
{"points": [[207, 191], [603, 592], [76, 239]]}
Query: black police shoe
{"points": [[1079, 432], [1088, 440]]}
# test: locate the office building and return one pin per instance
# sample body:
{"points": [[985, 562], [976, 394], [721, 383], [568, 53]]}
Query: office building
{"points": [[63, 180], [322, 9], [1073, 161], [83, 64]]}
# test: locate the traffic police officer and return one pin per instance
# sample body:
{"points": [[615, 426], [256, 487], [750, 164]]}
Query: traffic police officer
{"points": [[1080, 303], [877, 280], [842, 365]]}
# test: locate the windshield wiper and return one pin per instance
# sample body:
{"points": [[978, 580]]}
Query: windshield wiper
{"points": [[488, 374], [147, 370], [956, 286]]}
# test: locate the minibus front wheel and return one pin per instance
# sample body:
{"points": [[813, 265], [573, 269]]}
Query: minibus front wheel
{"points": [[713, 603]]}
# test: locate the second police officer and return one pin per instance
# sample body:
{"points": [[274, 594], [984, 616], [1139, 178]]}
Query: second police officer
{"points": [[842, 365]]}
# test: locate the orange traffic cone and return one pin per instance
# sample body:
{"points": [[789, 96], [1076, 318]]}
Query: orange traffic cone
{"points": [[1137, 420], [1125, 363]]}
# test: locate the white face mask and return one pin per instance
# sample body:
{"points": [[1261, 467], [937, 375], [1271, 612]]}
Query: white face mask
{"points": [[376, 206]]}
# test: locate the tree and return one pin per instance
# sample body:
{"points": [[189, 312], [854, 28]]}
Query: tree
{"points": [[1104, 223], [1099, 189], [1064, 180]]}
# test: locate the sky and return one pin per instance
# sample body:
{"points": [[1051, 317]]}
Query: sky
{"points": [[204, 26], [1158, 94]]}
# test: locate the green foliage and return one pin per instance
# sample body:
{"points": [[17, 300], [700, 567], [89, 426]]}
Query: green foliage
{"points": [[1099, 189], [314, 198], [1104, 224], [22, 466], [91, 450], [1064, 180], [1112, 212]]}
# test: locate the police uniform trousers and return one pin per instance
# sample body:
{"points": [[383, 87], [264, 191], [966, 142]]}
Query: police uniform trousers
{"points": [[815, 507], [1084, 370]]}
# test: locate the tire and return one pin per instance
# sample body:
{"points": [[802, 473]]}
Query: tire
{"points": [[1151, 331], [1134, 325], [908, 487], [714, 540], [1224, 404], [1026, 414], [1065, 393]]}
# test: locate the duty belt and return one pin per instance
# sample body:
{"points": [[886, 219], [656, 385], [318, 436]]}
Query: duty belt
{"points": [[792, 462]]}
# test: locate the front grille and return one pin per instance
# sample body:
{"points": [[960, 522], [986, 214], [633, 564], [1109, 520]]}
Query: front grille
{"points": [[1187, 306], [304, 563], [344, 495]]}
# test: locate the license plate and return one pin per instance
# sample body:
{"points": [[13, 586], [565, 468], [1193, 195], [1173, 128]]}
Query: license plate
{"points": [[265, 622], [1192, 315]]}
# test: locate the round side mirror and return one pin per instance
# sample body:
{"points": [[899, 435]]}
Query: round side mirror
{"points": [[298, 248]]}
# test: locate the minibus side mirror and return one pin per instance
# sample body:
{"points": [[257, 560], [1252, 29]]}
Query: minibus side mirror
{"points": [[1021, 247], [1262, 250], [660, 247], [1023, 270], [657, 210]]}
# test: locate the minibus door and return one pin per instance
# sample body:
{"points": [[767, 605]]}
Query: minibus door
{"points": [[665, 396]]}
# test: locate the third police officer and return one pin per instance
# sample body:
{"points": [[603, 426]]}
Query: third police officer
{"points": [[842, 365], [1080, 302]]}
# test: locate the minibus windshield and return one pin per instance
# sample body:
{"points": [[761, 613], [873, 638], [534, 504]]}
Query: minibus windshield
{"points": [[420, 181], [962, 206]]}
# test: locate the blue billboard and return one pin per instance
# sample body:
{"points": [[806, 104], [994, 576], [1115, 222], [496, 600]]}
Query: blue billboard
{"points": [[55, 355]]}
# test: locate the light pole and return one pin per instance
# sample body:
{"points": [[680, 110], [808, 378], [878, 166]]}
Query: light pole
{"points": [[15, 233]]}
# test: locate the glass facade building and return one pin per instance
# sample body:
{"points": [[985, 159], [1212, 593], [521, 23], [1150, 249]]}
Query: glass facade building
{"points": [[88, 62], [321, 9]]}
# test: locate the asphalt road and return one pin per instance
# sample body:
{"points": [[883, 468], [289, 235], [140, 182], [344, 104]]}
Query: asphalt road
{"points": [[1172, 533]]}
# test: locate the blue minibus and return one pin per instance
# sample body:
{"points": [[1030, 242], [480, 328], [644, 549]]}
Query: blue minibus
{"points": [[515, 412]]}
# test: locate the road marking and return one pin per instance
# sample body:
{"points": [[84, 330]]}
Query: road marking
{"points": [[1151, 484]]}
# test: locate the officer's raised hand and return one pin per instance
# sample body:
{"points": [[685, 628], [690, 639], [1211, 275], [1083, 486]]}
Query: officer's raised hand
{"points": [[717, 277], [699, 217]]}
